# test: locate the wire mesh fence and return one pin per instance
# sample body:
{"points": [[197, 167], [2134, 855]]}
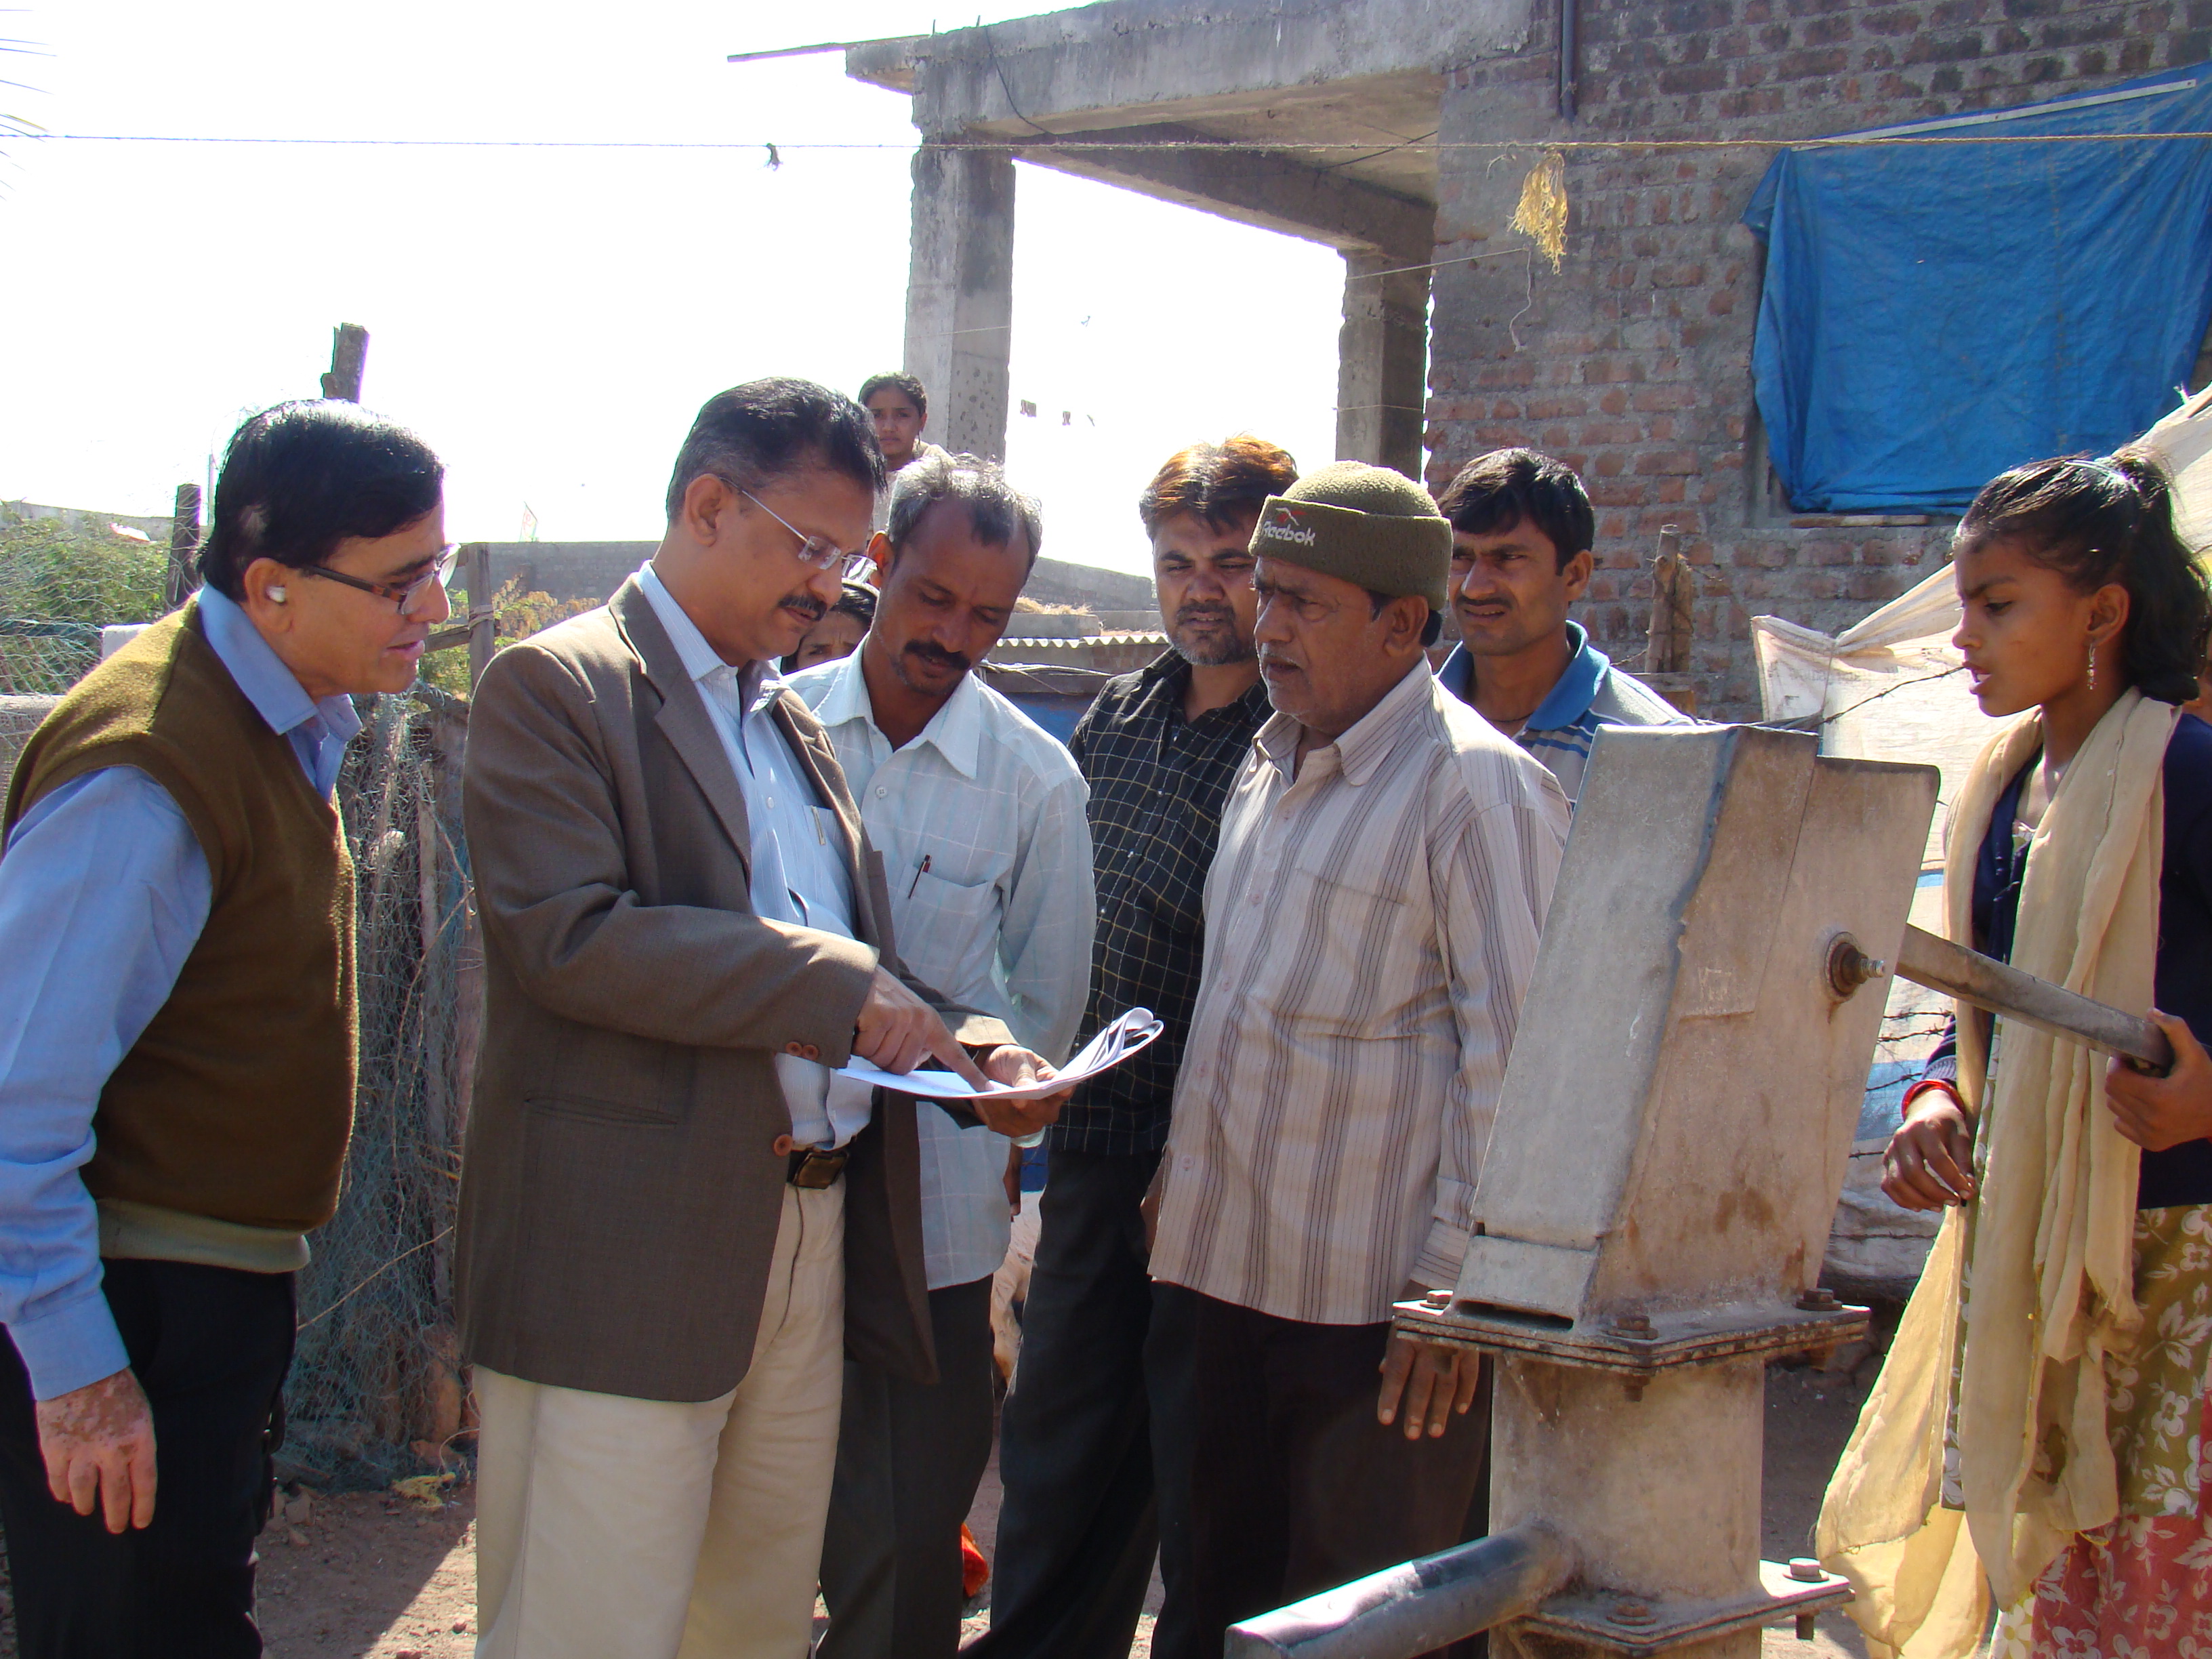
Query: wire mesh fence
{"points": [[61, 580], [375, 1390]]}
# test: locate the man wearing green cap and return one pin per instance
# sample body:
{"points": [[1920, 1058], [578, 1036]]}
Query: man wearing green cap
{"points": [[1385, 862]]}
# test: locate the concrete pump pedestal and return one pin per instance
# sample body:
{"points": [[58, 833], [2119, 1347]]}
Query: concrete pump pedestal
{"points": [[1669, 1145]]}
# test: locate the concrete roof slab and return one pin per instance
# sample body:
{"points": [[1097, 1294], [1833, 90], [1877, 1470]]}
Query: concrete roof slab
{"points": [[1128, 62], [1274, 190]]}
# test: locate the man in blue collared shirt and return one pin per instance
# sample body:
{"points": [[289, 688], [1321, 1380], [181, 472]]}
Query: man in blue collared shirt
{"points": [[145, 1281], [980, 816], [1522, 532]]}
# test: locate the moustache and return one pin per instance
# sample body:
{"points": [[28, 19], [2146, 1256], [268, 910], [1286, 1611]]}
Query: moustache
{"points": [[1196, 613], [938, 657], [806, 605]]}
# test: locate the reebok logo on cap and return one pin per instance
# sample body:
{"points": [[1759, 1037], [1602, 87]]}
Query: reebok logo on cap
{"points": [[1284, 527]]}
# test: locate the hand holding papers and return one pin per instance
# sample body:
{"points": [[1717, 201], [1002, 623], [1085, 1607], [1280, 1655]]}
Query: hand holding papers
{"points": [[1113, 1045]]}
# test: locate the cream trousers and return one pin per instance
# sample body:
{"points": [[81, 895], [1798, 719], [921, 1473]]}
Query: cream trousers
{"points": [[609, 1528]]}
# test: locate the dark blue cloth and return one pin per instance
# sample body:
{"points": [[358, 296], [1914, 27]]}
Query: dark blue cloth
{"points": [[1936, 314], [2183, 984]]}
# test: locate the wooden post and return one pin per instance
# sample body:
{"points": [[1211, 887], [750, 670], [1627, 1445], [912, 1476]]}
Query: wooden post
{"points": [[477, 559], [183, 547], [1666, 656], [348, 352], [436, 1093], [1673, 621]]}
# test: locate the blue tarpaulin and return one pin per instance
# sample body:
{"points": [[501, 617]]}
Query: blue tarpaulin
{"points": [[1936, 313]]}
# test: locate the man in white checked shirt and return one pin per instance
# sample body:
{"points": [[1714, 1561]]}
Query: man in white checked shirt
{"points": [[1371, 918], [980, 817]]}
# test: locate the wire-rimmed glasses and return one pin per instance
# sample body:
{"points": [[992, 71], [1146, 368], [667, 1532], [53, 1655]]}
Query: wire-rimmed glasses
{"points": [[405, 595], [818, 551]]}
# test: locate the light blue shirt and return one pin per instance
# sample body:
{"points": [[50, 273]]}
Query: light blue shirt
{"points": [[103, 892], [799, 873], [980, 821]]}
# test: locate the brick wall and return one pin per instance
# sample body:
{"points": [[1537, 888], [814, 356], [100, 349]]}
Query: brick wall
{"points": [[1633, 362]]}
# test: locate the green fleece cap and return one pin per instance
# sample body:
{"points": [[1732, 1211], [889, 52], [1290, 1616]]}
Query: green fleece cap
{"points": [[1366, 524]]}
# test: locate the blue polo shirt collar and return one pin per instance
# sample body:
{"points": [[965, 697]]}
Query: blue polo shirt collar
{"points": [[1568, 700]]}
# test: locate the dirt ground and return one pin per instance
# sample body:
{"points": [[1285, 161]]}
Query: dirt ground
{"points": [[372, 1576]]}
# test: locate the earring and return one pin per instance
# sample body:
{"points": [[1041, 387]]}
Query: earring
{"points": [[2092, 670]]}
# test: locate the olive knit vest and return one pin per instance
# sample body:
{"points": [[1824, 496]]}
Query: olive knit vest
{"points": [[236, 1102]]}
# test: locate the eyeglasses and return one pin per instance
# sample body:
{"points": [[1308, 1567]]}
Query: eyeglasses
{"points": [[818, 551], [403, 595]]}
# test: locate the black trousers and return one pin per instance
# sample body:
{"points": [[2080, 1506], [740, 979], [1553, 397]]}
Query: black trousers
{"points": [[1295, 1488], [210, 1346], [1084, 1516], [909, 1458]]}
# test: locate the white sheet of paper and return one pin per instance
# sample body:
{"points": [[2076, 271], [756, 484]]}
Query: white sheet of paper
{"points": [[1113, 1045]]}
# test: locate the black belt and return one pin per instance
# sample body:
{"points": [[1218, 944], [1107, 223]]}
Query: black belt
{"points": [[813, 1169]]}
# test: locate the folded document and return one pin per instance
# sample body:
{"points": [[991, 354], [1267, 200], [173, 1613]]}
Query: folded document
{"points": [[1113, 1045]]}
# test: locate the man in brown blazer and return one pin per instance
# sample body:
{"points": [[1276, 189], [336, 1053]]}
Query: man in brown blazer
{"points": [[675, 1218]]}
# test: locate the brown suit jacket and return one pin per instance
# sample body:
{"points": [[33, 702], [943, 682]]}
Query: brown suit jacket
{"points": [[621, 1192]]}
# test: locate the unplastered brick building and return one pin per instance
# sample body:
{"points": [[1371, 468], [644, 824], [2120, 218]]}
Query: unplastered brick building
{"points": [[1404, 133]]}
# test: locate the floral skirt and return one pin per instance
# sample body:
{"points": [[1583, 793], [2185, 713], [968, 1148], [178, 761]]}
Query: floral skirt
{"points": [[2141, 1587]]}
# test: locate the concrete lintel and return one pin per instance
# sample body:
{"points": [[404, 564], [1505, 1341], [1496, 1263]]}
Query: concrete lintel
{"points": [[1131, 56], [1253, 187]]}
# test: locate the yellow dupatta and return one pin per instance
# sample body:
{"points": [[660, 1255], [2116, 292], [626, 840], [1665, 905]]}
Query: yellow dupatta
{"points": [[2051, 1273]]}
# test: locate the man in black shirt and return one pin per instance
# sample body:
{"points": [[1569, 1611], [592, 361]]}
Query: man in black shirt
{"points": [[1082, 1516]]}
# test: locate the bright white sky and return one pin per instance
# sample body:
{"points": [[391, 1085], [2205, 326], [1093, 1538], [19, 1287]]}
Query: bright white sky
{"points": [[550, 319]]}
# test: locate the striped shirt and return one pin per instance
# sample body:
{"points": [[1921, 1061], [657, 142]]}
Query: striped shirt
{"points": [[981, 823], [1592, 694], [1371, 924]]}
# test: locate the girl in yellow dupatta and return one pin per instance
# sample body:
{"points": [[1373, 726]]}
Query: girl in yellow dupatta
{"points": [[2034, 1443]]}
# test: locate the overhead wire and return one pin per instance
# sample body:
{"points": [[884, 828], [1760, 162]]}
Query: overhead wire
{"points": [[1146, 146]]}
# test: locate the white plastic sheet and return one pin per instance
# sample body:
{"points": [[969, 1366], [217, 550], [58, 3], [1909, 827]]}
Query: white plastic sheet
{"points": [[1890, 687], [2184, 441]]}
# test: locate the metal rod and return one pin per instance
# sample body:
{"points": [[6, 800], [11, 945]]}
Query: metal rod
{"points": [[1568, 72], [817, 48], [1410, 1609], [1969, 975]]}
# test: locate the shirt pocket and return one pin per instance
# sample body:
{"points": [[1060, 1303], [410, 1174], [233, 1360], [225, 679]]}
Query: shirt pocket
{"points": [[948, 931], [1342, 959]]}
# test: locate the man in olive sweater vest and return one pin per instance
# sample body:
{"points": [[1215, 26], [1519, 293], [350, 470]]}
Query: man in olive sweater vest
{"points": [[178, 1038]]}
